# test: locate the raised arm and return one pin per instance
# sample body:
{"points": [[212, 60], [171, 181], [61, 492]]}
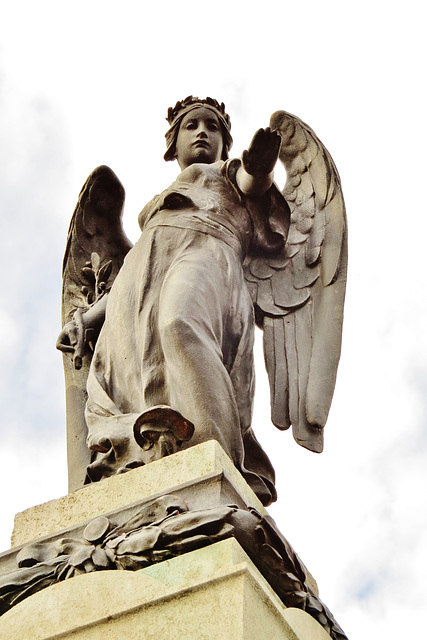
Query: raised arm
{"points": [[255, 176]]}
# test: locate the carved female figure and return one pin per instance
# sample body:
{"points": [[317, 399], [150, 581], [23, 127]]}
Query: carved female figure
{"points": [[176, 344]]}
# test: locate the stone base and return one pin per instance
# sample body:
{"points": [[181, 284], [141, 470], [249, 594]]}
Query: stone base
{"points": [[215, 593], [204, 475]]}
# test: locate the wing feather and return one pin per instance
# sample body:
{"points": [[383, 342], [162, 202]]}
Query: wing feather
{"points": [[292, 365], [335, 239], [303, 274], [274, 337]]}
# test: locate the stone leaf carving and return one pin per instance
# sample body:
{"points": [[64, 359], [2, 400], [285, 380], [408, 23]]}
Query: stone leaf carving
{"points": [[162, 529]]}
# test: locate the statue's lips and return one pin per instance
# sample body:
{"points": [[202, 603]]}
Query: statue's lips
{"points": [[201, 143]]}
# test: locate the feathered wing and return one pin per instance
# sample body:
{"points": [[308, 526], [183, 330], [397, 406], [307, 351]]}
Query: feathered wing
{"points": [[299, 292], [95, 250], [96, 242]]}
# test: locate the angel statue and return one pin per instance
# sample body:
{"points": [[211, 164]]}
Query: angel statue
{"points": [[171, 319]]}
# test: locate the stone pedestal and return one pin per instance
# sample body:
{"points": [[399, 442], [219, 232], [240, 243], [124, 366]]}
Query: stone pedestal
{"points": [[212, 593], [204, 475]]}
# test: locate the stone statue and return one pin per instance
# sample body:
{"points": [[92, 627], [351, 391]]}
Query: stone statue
{"points": [[171, 320]]}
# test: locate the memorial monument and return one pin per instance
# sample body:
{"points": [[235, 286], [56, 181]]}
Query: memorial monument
{"points": [[158, 359]]}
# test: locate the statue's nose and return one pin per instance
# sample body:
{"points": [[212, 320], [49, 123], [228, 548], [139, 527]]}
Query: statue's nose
{"points": [[201, 131]]}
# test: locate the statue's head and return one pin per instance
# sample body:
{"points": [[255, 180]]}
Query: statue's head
{"points": [[186, 113]]}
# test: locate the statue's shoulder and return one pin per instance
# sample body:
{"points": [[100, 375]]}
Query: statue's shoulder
{"points": [[148, 210]]}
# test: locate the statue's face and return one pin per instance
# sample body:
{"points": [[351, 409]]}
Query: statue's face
{"points": [[199, 138]]}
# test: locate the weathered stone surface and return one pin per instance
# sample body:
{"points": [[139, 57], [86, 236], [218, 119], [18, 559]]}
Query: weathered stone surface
{"points": [[170, 473], [304, 627], [214, 593]]}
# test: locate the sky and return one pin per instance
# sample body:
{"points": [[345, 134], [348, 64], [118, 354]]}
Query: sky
{"points": [[89, 83]]}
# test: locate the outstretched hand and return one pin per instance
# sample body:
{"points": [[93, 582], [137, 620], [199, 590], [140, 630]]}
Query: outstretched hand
{"points": [[263, 152]]}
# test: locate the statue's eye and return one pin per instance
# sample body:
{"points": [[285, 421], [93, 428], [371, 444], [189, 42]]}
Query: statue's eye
{"points": [[191, 124]]}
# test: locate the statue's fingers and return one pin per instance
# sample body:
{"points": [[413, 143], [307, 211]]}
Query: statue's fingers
{"points": [[258, 139], [65, 348], [65, 342]]}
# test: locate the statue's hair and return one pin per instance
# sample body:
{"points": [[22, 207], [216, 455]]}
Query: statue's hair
{"points": [[182, 107], [191, 100]]}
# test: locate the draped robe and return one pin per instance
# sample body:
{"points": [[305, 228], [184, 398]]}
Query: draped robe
{"points": [[179, 325]]}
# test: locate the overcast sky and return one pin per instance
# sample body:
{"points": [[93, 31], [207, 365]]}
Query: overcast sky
{"points": [[89, 83]]}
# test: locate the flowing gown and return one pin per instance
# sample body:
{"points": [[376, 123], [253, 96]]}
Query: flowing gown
{"points": [[179, 325]]}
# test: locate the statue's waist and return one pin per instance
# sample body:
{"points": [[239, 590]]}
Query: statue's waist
{"points": [[215, 225]]}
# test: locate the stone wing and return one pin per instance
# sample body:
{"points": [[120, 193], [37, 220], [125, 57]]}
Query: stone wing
{"points": [[298, 292], [96, 242]]}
